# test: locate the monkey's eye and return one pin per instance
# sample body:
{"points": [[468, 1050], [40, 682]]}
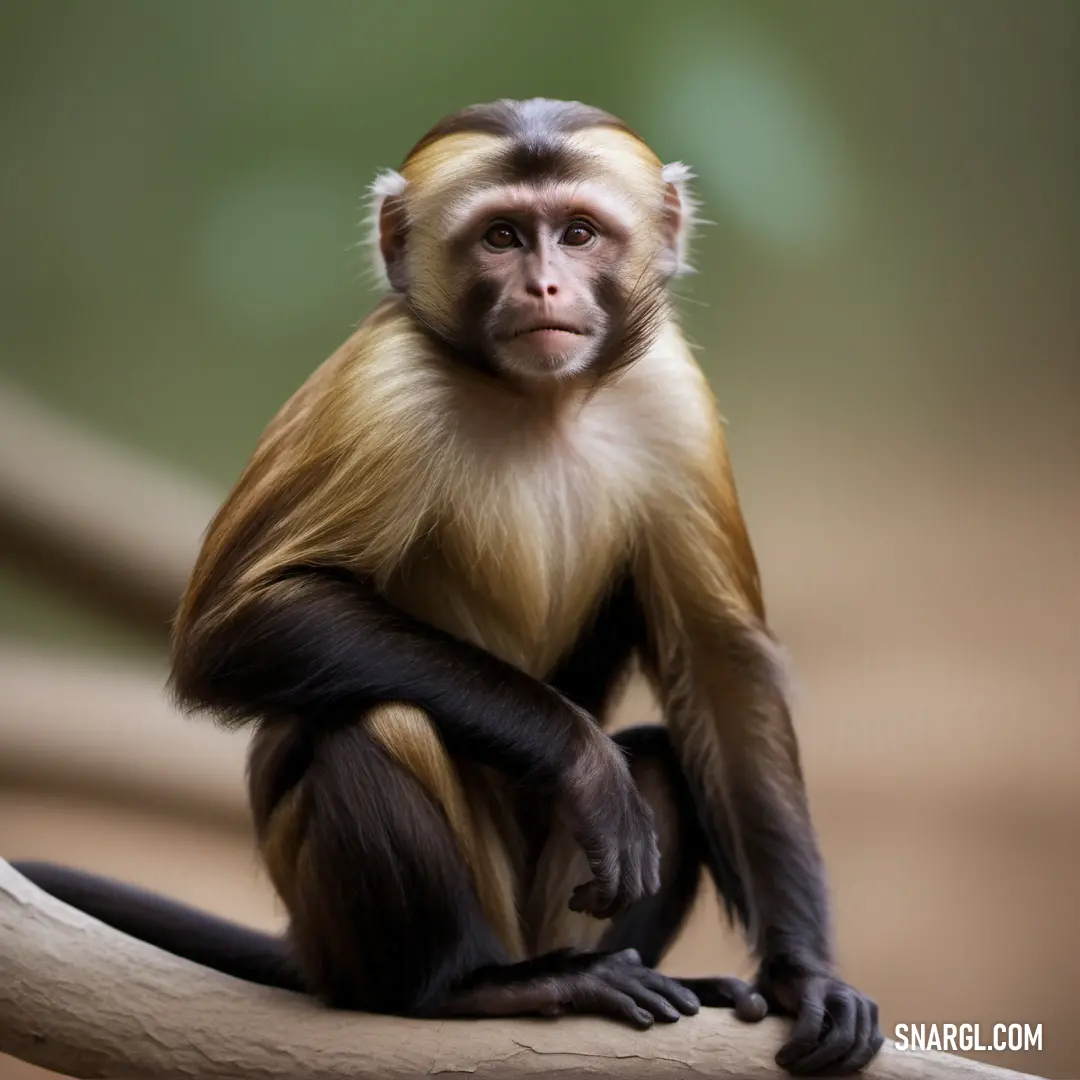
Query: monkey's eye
{"points": [[578, 234], [500, 237]]}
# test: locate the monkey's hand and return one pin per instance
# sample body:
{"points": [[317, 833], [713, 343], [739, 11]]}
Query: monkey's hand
{"points": [[614, 826], [836, 1028]]}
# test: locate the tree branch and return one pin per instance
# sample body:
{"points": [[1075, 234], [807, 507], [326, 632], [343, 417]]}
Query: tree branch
{"points": [[81, 724], [86, 1001], [107, 522]]}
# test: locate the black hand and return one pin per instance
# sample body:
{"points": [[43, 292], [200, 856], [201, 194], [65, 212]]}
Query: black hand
{"points": [[614, 826], [836, 1030]]}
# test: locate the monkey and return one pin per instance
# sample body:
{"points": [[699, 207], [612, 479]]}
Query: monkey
{"points": [[451, 546]]}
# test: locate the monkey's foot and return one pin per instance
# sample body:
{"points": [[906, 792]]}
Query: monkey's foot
{"points": [[727, 992], [616, 985]]}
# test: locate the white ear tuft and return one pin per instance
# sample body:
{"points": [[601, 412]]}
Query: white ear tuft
{"points": [[679, 176], [386, 184]]}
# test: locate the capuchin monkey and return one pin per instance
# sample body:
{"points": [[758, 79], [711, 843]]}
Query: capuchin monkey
{"points": [[449, 548]]}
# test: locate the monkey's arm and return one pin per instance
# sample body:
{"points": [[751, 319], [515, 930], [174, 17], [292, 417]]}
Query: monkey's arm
{"points": [[322, 646], [721, 680]]}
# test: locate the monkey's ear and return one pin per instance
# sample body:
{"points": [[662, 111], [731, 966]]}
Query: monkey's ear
{"points": [[680, 211], [388, 228]]}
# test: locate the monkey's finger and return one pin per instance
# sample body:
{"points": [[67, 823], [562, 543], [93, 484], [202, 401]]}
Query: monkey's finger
{"points": [[683, 998], [728, 992], [648, 883], [585, 900], [588, 898], [594, 995], [652, 870], [806, 1032], [625, 967], [642, 868], [632, 881], [634, 986], [639, 874], [600, 898], [868, 1040], [579, 898], [839, 1036]]}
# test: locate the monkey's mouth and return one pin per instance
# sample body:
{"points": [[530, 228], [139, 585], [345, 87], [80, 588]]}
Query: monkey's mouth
{"points": [[555, 329], [547, 349]]}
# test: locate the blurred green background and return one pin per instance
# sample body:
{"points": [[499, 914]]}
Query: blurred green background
{"points": [[893, 188], [888, 304]]}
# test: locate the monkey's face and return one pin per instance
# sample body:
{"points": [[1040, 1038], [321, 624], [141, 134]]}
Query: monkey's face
{"points": [[535, 238], [542, 299], [543, 279]]}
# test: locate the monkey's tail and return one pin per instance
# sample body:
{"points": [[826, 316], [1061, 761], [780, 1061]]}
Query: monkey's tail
{"points": [[183, 931]]}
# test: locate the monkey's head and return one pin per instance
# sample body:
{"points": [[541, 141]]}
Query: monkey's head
{"points": [[535, 238]]}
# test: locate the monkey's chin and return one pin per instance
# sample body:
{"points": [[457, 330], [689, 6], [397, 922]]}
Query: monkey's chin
{"points": [[547, 354]]}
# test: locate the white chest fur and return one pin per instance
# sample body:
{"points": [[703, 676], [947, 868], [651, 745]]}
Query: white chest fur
{"points": [[539, 509]]}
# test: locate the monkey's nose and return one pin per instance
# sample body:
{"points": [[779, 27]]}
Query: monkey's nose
{"points": [[542, 287]]}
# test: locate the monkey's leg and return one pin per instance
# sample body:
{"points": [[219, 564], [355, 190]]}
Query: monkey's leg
{"points": [[400, 895], [650, 926]]}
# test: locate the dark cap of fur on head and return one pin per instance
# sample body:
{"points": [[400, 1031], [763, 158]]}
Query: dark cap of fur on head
{"points": [[533, 126]]}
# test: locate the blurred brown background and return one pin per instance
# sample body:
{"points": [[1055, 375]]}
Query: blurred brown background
{"points": [[887, 305]]}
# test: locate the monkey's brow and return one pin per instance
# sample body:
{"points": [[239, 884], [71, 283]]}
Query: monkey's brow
{"points": [[611, 209]]}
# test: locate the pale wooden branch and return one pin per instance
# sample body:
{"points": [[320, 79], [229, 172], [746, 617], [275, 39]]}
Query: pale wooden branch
{"points": [[79, 998], [88, 724], [94, 515]]}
